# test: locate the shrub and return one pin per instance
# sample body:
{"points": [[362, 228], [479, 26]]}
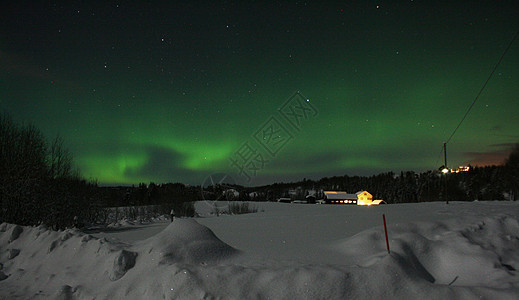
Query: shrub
{"points": [[236, 208]]}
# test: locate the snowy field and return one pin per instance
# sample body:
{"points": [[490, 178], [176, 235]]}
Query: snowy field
{"points": [[284, 251]]}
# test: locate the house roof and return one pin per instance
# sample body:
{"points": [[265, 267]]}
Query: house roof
{"points": [[333, 195]]}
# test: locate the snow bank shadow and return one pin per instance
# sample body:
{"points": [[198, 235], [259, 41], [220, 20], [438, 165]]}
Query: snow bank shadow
{"points": [[111, 229]]}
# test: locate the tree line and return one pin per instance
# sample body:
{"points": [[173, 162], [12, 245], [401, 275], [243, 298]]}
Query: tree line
{"points": [[176, 196]]}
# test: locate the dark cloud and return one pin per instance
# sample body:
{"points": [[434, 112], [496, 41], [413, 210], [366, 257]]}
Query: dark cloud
{"points": [[295, 161], [494, 157], [392, 155], [164, 164], [328, 164], [17, 65], [21, 66], [508, 146]]}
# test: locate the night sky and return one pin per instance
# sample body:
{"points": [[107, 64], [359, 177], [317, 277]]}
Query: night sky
{"points": [[265, 92]]}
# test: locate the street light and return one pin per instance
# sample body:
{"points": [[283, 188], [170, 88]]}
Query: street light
{"points": [[444, 169]]}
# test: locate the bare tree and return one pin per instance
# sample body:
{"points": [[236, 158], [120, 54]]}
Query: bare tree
{"points": [[22, 172], [60, 159]]}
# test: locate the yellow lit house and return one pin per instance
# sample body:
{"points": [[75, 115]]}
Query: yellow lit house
{"points": [[359, 198]]}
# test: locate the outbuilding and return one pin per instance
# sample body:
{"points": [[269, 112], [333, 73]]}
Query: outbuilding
{"points": [[336, 197], [359, 198]]}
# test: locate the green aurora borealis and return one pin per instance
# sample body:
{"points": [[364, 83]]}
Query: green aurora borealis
{"points": [[169, 92]]}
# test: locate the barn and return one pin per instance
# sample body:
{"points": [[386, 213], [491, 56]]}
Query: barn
{"points": [[335, 197]]}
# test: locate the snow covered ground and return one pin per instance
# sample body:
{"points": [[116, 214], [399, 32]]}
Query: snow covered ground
{"points": [[285, 251]]}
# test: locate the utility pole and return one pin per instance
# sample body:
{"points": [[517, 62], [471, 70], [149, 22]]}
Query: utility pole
{"points": [[445, 174], [445, 154]]}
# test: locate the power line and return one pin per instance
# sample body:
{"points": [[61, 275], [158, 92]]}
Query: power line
{"points": [[482, 88]]}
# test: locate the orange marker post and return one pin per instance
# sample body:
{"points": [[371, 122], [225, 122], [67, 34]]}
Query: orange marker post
{"points": [[385, 230]]}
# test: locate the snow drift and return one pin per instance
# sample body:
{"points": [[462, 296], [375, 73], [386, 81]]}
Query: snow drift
{"points": [[447, 253], [41, 260]]}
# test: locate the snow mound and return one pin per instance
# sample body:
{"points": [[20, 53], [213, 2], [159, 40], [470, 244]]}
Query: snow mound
{"points": [[186, 241]]}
